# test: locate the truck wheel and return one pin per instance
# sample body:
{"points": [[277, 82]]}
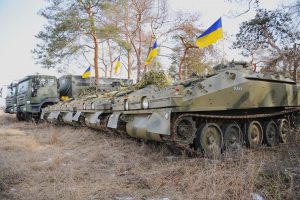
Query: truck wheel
{"points": [[37, 117], [27, 117], [19, 116]]}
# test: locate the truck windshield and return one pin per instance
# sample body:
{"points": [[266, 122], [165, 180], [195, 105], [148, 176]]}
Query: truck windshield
{"points": [[23, 87], [10, 91]]}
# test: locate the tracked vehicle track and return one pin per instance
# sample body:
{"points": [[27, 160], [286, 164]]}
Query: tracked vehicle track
{"points": [[190, 149]]}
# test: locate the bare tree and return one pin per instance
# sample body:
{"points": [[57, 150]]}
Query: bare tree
{"points": [[273, 33], [186, 54], [144, 17]]}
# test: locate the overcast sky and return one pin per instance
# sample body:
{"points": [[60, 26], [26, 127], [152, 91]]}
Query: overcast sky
{"points": [[19, 23]]}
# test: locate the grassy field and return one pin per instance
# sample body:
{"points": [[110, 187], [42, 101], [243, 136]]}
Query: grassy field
{"points": [[43, 161]]}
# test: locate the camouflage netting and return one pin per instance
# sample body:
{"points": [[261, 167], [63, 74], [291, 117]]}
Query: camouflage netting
{"points": [[87, 91], [159, 79], [108, 94]]}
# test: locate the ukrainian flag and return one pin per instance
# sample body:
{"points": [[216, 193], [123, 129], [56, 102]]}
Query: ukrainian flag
{"points": [[87, 72], [118, 65], [211, 35], [152, 54]]}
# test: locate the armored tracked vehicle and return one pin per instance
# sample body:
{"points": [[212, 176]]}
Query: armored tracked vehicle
{"points": [[96, 109], [86, 109], [209, 114]]}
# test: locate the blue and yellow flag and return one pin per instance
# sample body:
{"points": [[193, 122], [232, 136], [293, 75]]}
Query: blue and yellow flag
{"points": [[87, 72], [152, 54], [118, 65], [211, 35]]}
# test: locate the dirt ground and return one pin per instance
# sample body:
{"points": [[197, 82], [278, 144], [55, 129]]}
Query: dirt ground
{"points": [[43, 161]]}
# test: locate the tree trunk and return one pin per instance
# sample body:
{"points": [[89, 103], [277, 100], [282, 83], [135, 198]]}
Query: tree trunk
{"points": [[180, 65], [110, 58], [95, 40], [105, 65], [296, 62], [138, 78], [129, 64], [139, 62], [296, 65], [96, 63], [128, 41]]}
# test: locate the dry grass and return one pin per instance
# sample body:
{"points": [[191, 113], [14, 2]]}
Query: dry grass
{"points": [[47, 162]]}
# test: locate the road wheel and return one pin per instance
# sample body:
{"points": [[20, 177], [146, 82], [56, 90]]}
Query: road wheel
{"points": [[210, 140], [271, 133], [233, 138], [254, 134], [284, 130]]}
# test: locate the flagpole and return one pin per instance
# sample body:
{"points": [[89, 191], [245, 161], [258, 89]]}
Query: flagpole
{"points": [[223, 42], [155, 39]]}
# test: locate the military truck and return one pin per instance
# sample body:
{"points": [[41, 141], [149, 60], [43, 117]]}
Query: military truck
{"points": [[35, 92], [70, 85], [11, 98]]}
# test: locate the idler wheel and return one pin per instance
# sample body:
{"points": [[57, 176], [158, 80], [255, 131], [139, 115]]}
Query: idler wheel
{"points": [[254, 134], [209, 139], [233, 138], [271, 133], [284, 130], [185, 130]]}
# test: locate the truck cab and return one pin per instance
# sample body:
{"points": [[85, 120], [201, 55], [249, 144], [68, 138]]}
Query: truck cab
{"points": [[35, 92], [11, 98]]}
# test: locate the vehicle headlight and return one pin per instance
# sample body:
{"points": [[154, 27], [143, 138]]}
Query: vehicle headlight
{"points": [[145, 103], [93, 105], [126, 105], [28, 102], [84, 106]]}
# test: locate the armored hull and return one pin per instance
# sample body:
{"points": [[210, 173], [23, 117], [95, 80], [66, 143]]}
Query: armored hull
{"points": [[96, 111], [86, 110], [210, 114]]}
